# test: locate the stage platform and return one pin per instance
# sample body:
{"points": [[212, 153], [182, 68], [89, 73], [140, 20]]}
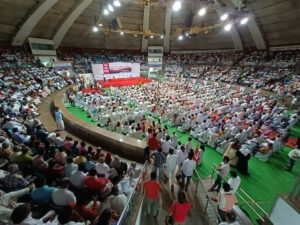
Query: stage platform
{"points": [[124, 82]]}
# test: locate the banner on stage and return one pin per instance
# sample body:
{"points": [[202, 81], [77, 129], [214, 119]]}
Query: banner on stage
{"points": [[115, 70], [62, 66]]}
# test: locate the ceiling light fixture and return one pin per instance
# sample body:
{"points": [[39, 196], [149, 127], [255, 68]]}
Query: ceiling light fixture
{"points": [[202, 12], [151, 36], [100, 25], [180, 37], [228, 27], [95, 29], [117, 3], [105, 12], [224, 17], [176, 6], [122, 33], [161, 36], [186, 34], [244, 20], [110, 8]]}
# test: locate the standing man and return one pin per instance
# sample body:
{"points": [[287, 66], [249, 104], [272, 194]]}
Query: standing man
{"points": [[222, 172], [165, 145], [293, 155], [152, 188], [171, 164], [59, 119], [159, 161], [187, 170]]}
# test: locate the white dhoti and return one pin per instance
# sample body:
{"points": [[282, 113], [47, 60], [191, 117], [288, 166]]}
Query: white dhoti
{"points": [[60, 124]]}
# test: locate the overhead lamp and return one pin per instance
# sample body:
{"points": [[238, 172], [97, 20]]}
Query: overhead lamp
{"points": [[202, 12], [186, 34], [110, 8], [176, 6], [228, 27], [117, 3], [151, 36], [95, 29], [122, 33], [135, 35], [105, 12], [100, 25], [224, 17], [180, 37], [244, 20], [161, 36]]}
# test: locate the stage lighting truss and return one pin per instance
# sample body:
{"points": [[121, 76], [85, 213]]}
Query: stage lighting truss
{"points": [[205, 29]]}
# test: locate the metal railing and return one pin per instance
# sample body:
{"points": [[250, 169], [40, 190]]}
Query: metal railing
{"points": [[210, 207], [249, 201], [130, 212]]}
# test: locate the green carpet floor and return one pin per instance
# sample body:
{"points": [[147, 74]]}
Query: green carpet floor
{"points": [[266, 180]]}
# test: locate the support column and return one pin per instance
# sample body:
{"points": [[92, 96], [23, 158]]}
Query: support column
{"points": [[168, 21], [69, 19], [31, 21], [254, 30], [145, 27]]}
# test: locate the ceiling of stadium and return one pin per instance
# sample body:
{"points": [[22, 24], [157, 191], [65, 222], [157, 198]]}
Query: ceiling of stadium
{"points": [[276, 21]]}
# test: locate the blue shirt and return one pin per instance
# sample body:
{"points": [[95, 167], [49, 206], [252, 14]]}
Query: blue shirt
{"points": [[58, 115], [43, 194], [89, 165], [70, 168]]}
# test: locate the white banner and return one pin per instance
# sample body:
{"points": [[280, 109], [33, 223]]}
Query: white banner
{"points": [[115, 70]]}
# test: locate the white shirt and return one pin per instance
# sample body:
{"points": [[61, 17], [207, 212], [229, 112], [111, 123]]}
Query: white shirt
{"points": [[165, 145], [224, 169], [171, 162], [225, 223], [102, 168], [188, 167], [234, 184], [118, 202], [188, 146], [63, 197], [181, 156], [294, 154], [77, 179]]}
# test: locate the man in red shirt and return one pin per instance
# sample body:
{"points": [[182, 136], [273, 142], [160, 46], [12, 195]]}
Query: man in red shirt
{"points": [[153, 142], [152, 188], [94, 183]]}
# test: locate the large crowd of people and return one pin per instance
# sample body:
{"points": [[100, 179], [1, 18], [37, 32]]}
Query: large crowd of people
{"points": [[49, 179], [46, 178]]}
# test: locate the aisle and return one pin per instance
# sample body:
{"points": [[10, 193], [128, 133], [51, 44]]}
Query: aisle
{"points": [[266, 179]]}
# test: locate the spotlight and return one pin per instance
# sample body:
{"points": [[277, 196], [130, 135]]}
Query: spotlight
{"points": [[95, 29], [110, 8], [180, 37], [117, 3], [176, 6], [244, 20], [135, 35], [224, 17], [161, 36], [151, 36], [228, 27], [100, 25], [105, 12], [202, 12], [122, 33], [186, 34]]}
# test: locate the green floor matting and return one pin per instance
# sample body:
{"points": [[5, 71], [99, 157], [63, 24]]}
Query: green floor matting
{"points": [[266, 179]]}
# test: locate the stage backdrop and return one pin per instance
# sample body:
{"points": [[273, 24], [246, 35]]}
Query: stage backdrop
{"points": [[115, 70]]}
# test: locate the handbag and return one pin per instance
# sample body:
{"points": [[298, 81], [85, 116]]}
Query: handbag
{"points": [[170, 219]]}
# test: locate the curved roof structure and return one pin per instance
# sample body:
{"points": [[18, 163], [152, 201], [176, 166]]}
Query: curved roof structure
{"points": [[70, 23]]}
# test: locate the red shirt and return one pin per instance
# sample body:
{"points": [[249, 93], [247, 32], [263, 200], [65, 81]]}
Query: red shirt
{"points": [[181, 211], [96, 183], [84, 212], [152, 188], [153, 143]]}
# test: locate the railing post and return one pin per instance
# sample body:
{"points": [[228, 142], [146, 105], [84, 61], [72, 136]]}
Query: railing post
{"points": [[196, 187]]}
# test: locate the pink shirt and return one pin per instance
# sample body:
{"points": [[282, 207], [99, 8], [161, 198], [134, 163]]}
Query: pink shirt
{"points": [[61, 157], [39, 162], [229, 203]]}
